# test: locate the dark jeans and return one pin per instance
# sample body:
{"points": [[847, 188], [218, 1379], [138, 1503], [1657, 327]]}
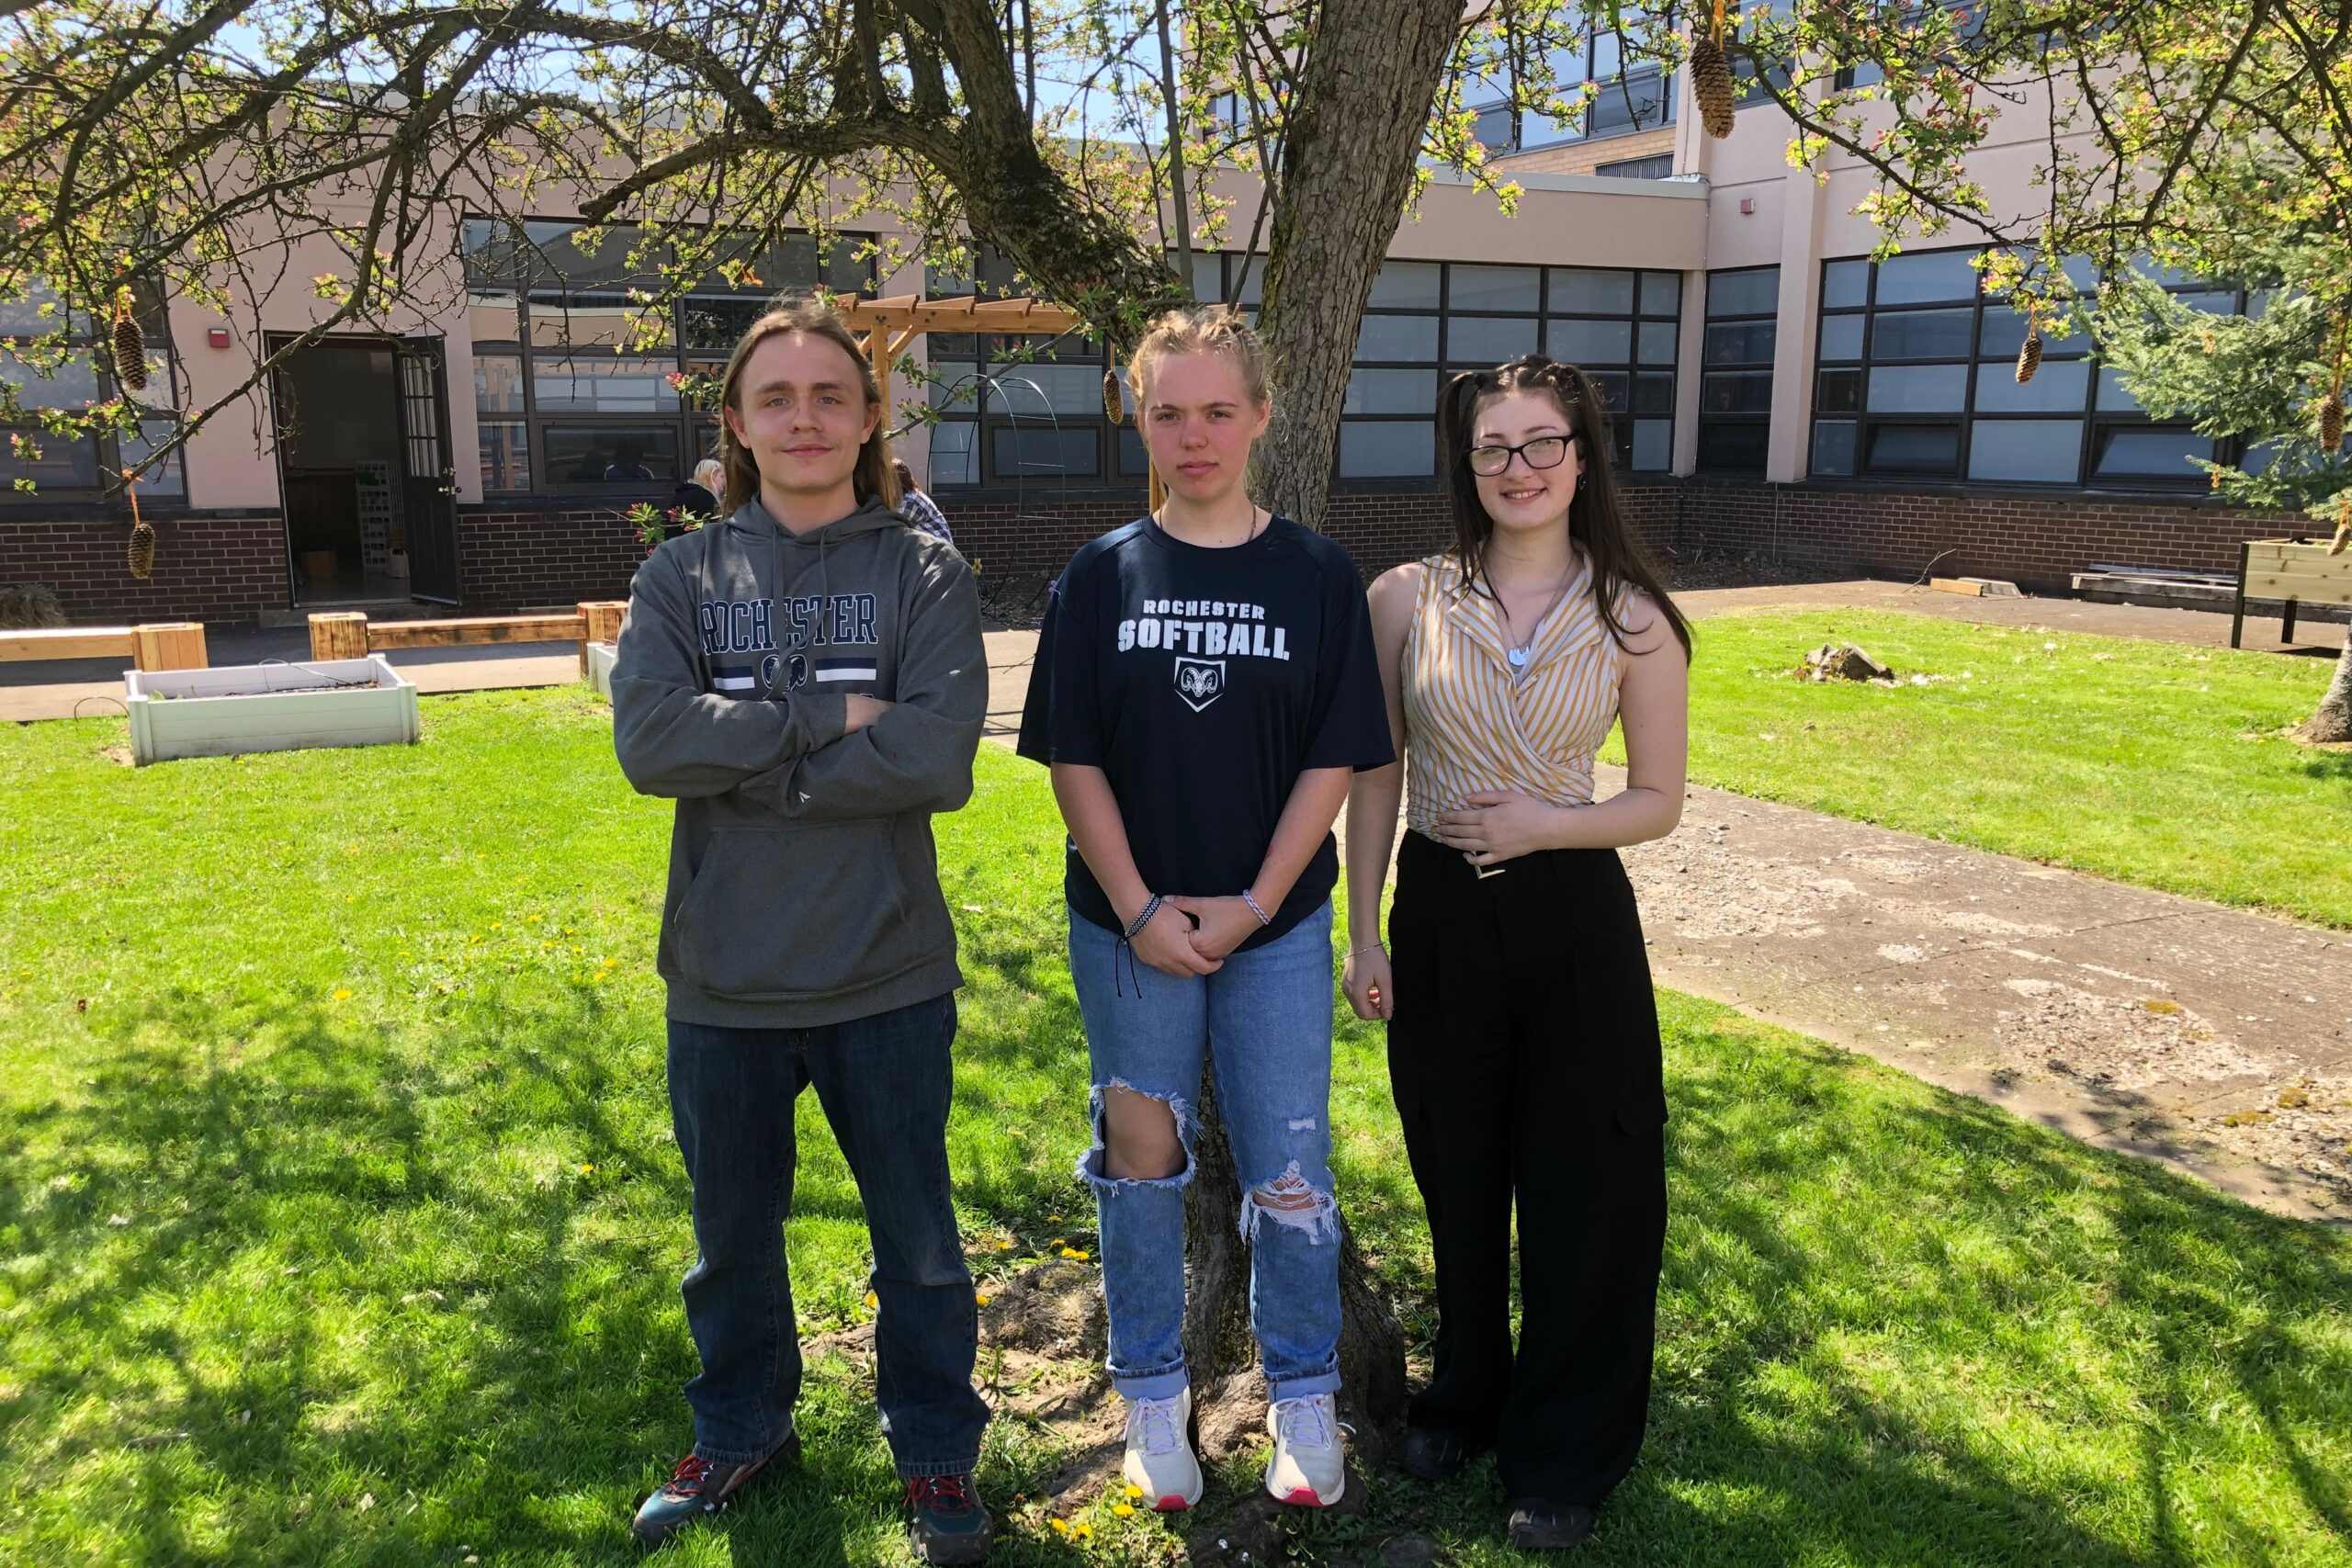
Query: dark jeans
{"points": [[885, 1083], [1524, 1058]]}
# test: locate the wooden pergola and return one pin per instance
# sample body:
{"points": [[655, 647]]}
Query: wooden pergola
{"points": [[884, 327]]}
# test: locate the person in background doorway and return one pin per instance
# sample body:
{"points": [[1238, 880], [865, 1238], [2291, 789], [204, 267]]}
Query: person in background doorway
{"points": [[917, 508]]}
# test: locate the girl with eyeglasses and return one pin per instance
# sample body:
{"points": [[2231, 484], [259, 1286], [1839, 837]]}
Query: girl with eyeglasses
{"points": [[1522, 1038]]}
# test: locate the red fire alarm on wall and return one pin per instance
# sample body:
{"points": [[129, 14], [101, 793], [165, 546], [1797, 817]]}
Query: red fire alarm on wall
{"points": [[216, 337], [1747, 206]]}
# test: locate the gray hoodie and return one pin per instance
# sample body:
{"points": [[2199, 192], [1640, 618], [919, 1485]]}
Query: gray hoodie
{"points": [[804, 888]]}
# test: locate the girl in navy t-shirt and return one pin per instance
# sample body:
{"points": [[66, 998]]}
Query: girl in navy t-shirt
{"points": [[1205, 690]]}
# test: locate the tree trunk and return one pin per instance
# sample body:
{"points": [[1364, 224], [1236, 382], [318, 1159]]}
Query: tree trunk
{"points": [[1346, 167], [2333, 723]]}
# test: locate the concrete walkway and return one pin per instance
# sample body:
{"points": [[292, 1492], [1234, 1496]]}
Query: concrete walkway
{"points": [[2217, 1042]]}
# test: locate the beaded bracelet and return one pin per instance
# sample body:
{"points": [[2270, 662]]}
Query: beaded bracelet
{"points": [[1144, 919], [1251, 899]]}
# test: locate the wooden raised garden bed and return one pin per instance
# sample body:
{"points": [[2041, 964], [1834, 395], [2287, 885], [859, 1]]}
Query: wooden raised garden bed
{"points": [[2293, 570]]}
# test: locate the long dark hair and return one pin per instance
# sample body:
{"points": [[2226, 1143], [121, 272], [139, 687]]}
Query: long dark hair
{"points": [[874, 479], [1596, 518]]}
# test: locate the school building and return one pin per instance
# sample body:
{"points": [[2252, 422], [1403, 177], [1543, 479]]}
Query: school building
{"points": [[1776, 393]]}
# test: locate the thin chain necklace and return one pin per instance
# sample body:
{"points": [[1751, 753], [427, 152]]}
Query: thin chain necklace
{"points": [[1517, 652]]}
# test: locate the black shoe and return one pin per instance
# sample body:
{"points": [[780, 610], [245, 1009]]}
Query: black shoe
{"points": [[948, 1524], [1432, 1453], [1539, 1526], [699, 1489]]}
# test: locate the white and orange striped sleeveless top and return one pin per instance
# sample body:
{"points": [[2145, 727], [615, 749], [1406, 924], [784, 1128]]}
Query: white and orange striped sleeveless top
{"points": [[1470, 726]]}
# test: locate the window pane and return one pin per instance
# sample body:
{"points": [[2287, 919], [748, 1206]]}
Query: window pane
{"points": [[39, 313], [1495, 288], [718, 324], [1653, 445], [1654, 394], [1036, 391], [1481, 340], [2044, 451], [1845, 284], [166, 478], [1657, 343], [955, 455], [498, 383], [1755, 292], [1832, 447], [1590, 343], [506, 455], [1373, 449], [1033, 449], [955, 386], [1741, 342], [1391, 391], [2219, 303], [1134, 461], [2060, 388], [1612, 384], [1921, 334], [68, 386], [1921, 389], [63, 464], [1583, 291], [1923, 275], [1736, 391], [2113, 398], [589, 323], [1253, 286], [1630, 102], [589, 454], [491, 318], [1912, 449], [1837, 391], [2004, 334], [1405, 286], [1733, 445], [1841, 338], [1661, 294], [2124, 451], [1409, 338], [1493, 127], [587, 385]]}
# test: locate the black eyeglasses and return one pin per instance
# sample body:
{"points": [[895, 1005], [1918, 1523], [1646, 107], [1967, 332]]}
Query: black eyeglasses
{"points": [[1543, 452]]}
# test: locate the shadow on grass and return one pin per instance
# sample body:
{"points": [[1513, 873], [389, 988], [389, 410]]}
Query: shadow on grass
{"points": [[379, 1244]]}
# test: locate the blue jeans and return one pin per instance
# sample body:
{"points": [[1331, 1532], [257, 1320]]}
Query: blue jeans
{"points": [[885, 1083], [1265, 1022]]}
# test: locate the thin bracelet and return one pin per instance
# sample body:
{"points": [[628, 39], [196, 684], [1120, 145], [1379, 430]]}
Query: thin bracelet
{"points": [[1143, 920], [1251, 899], [1368, 947]]}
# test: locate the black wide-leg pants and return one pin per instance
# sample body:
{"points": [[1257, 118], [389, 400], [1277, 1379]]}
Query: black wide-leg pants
{"points": [[1524, 1058]]}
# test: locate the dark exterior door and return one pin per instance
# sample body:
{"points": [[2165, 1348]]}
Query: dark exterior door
{"points": [[429, 481]]}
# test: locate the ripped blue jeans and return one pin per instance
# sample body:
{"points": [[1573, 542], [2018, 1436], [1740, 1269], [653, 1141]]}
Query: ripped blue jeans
{"points": [[1264, 1020]]}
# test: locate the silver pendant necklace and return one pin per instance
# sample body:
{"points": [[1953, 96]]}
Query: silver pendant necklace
{"points": [[1518, 655]]}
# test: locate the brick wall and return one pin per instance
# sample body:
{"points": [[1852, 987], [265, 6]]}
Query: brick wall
{"points": [[2036, 542], [216, 567], [229, 567], [512, 560], [1583, 157]]}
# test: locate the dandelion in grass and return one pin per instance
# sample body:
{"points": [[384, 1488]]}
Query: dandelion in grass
{"points": [[1125, 1510], [873, 1302], [343, 993]]}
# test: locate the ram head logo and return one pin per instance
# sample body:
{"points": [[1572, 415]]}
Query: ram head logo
{"points": [[1199, 681]]}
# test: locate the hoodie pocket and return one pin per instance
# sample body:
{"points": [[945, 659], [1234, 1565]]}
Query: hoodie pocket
{"points": [[796, 913]]}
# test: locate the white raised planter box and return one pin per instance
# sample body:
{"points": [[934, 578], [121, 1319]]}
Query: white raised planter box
{"points": [[601, 656], [267, 707]]}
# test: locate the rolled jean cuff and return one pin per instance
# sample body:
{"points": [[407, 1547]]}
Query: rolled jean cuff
{"points": [[1154, 1386], [920, 1469], [711, 1454], [1301, 1387]]}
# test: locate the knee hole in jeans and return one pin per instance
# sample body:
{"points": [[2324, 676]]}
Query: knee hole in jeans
{"points": [[1141, 1138]]}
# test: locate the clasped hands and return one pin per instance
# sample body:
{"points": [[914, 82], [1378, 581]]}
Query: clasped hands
{"points": [[1192, 936]]}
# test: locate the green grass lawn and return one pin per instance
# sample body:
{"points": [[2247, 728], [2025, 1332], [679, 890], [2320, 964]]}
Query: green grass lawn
{"points": [[340, 1221], [2144, 762]]}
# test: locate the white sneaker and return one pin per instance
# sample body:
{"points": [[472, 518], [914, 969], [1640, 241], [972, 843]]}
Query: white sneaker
{"points": [[1308, 1467], [1161, 1462]]}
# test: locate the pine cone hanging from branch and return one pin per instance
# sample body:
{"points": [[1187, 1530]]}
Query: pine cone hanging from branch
{"points": [[130, 344], [2331, 420], [1711, 85], [2029, 356], [142, 550], [1112, 408]]}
